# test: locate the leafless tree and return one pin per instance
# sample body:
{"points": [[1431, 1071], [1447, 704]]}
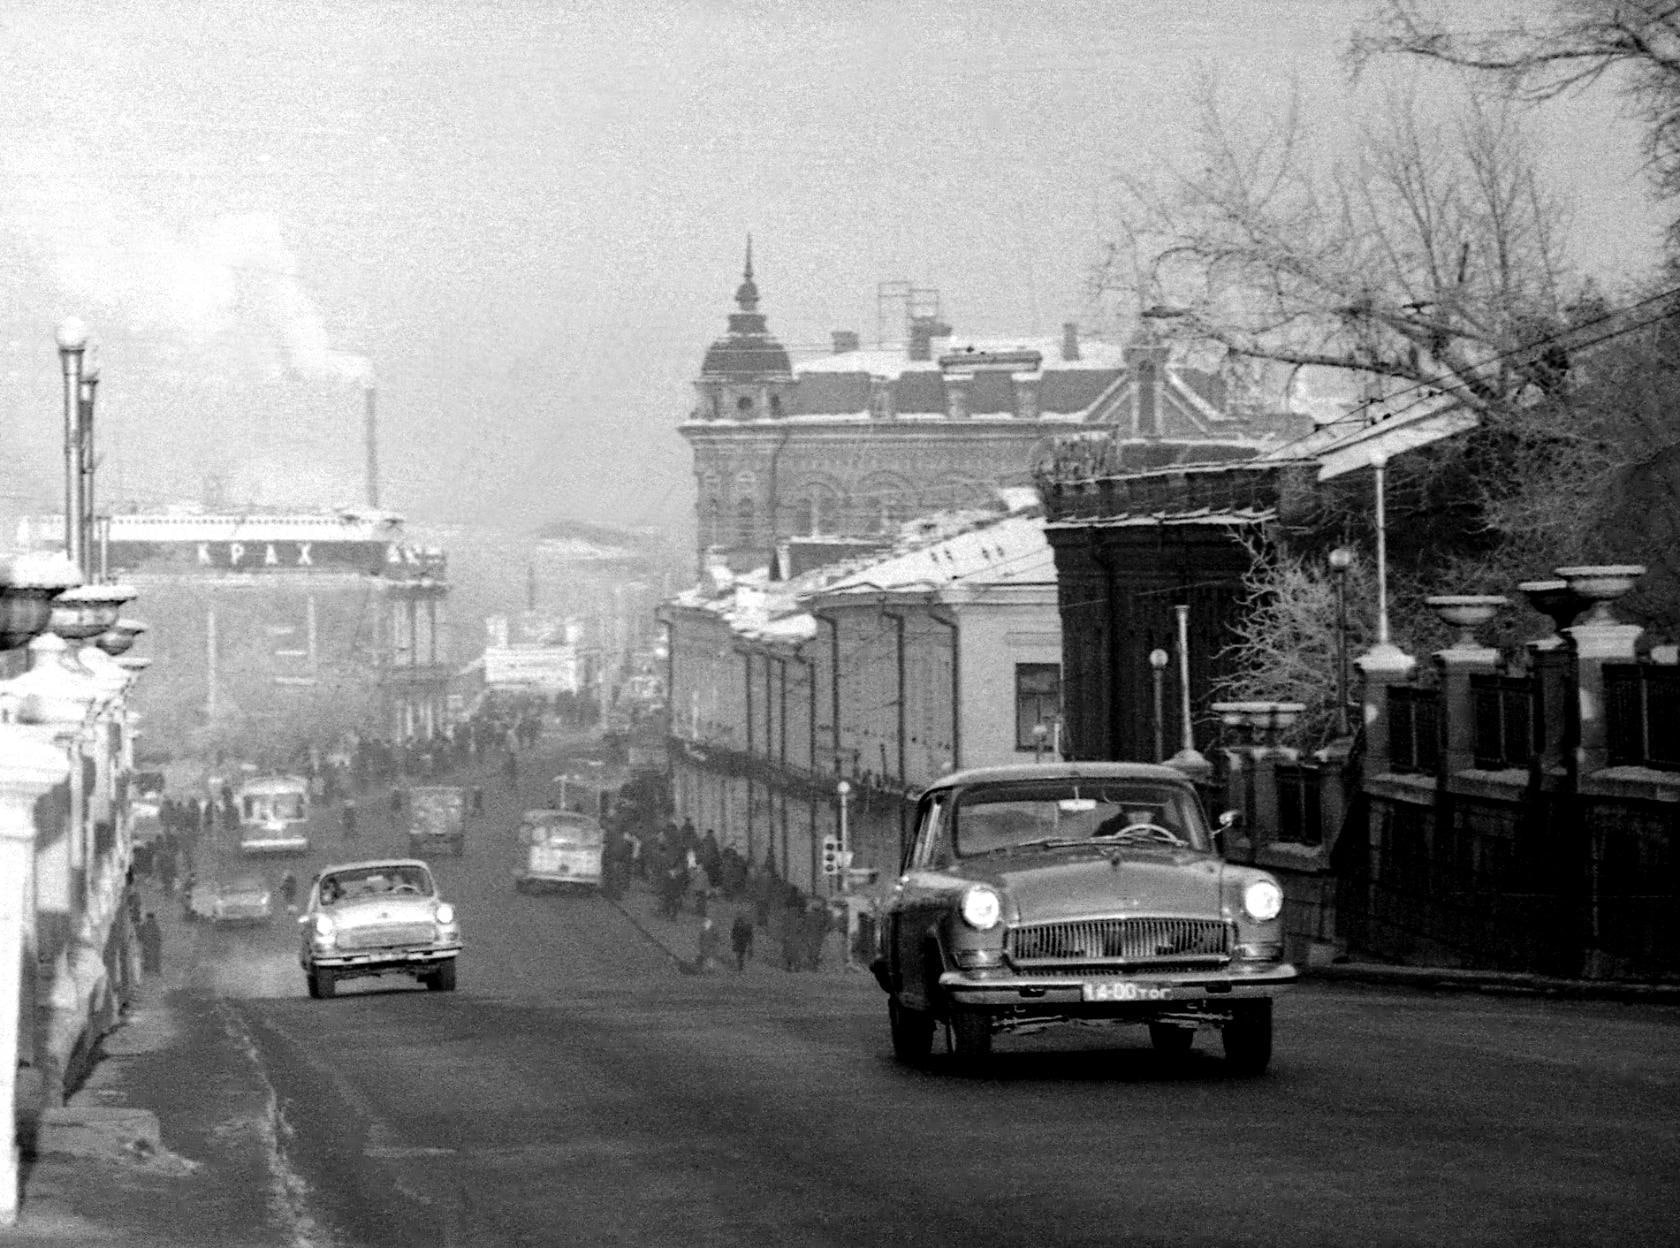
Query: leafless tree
{"points": [[1426, 263], [1631, 45]]}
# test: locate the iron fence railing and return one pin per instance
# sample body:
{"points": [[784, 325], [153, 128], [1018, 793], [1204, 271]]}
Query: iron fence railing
{"points": [[1642, 715], [1503, 721], [1414, 729], [1300, 788]]}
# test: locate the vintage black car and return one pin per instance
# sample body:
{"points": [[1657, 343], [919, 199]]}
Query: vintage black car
{"points": [[1077, 891]]}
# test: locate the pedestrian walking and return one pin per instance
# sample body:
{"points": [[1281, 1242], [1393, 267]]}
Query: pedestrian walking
{"points": [[288, 892], [710, 941], [151, 944], [348, 818], [741, 939], [510, 770], [478, 799]]}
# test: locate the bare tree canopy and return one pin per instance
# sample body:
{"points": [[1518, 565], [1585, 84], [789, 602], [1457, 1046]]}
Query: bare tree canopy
{"points": [[1427, 260], [1633, 44]]}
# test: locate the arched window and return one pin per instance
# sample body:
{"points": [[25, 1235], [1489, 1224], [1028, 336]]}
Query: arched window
{"points": [[746, 522], [711, 523], [744, 406], [776, 405], [804, 517]]}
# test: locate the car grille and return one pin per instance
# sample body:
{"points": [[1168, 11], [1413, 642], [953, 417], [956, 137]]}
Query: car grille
{"points": [[1129, 940], [381, 937]]}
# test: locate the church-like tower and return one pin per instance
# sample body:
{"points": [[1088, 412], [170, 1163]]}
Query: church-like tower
{"points": [[746, 374]]}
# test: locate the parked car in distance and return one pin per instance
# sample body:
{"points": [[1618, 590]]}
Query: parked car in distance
{"points": [[378, 917], [1077, 892], [242, 899]]}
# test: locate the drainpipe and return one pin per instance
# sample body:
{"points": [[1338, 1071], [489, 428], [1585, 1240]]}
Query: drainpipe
{"points": [[956, 687]]}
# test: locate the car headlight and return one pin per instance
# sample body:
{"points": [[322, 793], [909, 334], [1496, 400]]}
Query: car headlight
{"points": [[445, 913], [1263, 900], [981, 908], [323, 927]]}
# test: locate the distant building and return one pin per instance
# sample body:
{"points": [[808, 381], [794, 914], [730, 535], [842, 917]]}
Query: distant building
{"points": [[843, 448], [268, 630]]}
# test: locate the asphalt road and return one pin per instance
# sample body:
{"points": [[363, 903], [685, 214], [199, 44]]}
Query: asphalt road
{"points": [[577, 1089]]}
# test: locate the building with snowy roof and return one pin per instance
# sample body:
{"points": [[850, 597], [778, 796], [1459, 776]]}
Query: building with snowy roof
{"points": [[850, 444], [886, 670]]}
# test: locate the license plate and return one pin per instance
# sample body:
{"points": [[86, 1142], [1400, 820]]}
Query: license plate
{"points": [[1106, 990]]}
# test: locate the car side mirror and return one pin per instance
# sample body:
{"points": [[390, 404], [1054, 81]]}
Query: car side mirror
{"points": [[303, 920], [1229, 821]]}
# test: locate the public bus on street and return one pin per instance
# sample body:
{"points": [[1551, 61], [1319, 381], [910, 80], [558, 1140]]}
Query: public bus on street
{"points": [[562, 849], [273, 815]]}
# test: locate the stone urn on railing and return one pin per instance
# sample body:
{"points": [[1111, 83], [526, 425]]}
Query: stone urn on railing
{"points": [[1467, 613], [1557, 602], [1260, 724], [1596, 586]]}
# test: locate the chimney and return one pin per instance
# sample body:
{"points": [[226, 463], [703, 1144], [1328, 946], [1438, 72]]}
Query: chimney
{"points": [[923, 330], [370, 434], [845, 341], [1070, 340]]}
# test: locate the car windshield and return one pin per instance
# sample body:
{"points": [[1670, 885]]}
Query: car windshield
{"points": [[381, 881], [993, 817], [567, 829]]}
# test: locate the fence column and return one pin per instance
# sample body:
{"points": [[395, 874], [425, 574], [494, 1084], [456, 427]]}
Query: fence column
{"points": [[1458, 707], [1380, 667], [1592, 645]]}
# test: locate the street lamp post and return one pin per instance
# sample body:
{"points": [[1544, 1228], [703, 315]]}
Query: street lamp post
{"points": [[1379, 466], [72, 343], [843, 790], [1158, 660], [1188, 757], [85, 457], [1040, 735], [1341, 559]]}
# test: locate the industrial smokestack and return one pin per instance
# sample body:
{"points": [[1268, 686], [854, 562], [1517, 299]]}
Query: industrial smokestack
{"points": [[370, 435]]}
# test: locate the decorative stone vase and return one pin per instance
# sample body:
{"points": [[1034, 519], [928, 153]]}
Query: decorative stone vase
{"points": [[1600, 585], [1262, 722], [82, 613], [1554, 600], [1466, 612]]}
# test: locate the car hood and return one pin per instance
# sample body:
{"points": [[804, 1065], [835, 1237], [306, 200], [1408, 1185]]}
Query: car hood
{"points": [[1044, 886], [370, 911]]}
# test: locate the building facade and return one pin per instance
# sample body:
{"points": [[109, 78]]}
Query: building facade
{"points": [[270, 630], [884, 672], [854, 443]]}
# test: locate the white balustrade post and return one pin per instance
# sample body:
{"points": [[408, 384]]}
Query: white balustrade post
{"points": [[28, 770]]}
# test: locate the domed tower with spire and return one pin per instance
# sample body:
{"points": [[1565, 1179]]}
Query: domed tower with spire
{"points": [[746, 374]]}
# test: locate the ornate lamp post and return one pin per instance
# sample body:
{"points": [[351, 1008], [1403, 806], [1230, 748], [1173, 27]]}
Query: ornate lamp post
{"points": [[843, 790], [85, 459], [1158, 660], [1341, 559], [72, 343]]}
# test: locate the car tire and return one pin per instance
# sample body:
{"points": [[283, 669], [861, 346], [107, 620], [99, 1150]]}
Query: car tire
{"points": [[443, 978], [970, 1038], [1247, 1037], [1170, 1039], [313, 984], [912, 1032], [326, 982]]}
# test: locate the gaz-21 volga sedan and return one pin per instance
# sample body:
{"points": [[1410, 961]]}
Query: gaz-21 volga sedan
{"points": [[1076, 892], [379, 917]]}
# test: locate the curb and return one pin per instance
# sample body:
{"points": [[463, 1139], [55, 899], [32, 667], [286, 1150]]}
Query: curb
{"points": [[681, 963], [1507, 983]]}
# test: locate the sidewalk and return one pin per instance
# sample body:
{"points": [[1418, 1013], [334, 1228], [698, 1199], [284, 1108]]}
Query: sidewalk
{"points": [[1509, 983], [168, 1142], [680, 937]]}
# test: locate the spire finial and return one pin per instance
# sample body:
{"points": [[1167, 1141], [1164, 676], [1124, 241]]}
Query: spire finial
{"points": [[749, 255], [747, 293]]}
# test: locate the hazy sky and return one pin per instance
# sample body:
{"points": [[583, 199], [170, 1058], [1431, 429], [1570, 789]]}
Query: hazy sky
{"points": [[526, 218]]}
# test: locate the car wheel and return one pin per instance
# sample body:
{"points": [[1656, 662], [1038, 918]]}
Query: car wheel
{"points": [[313, 983], [442, 979], [326, 982], [912, 1032], [970, 1037], [1247, 1036], [1171, 1039]]}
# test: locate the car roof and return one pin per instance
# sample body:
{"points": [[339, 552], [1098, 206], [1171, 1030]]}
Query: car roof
{"points": [[1063, 771], [366, 864]]}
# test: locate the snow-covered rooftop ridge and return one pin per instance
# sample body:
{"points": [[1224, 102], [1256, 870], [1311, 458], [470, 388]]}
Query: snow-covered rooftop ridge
{"points": [[1012, 548], [894, 362]]}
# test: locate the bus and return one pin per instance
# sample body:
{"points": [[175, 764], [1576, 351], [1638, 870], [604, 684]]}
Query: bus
{"points": [[562, 849], [273, 815]]}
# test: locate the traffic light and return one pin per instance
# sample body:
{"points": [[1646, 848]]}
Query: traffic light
{"points": [[831, 856]]}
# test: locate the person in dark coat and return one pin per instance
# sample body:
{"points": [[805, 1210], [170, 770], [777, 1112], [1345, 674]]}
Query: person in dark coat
{"points": [[348, 816], [741, 939], [151, 944]]}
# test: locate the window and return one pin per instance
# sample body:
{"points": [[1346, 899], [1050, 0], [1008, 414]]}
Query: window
{"points": [[745, 522], [1038, 700]]}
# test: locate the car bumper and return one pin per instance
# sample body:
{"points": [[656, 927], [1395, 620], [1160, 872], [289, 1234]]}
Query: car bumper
{"points": [[372, 961], [1098, 995], [277, 845]]}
